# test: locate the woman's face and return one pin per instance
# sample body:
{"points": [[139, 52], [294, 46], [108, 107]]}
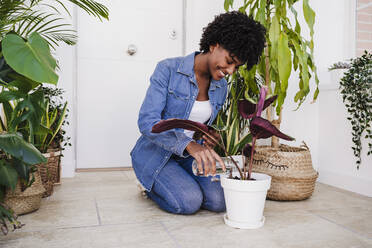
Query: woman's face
{"points": [[221, 62]]}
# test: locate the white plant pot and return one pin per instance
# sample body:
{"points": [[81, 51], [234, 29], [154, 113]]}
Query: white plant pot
{"points": [[245, 201]]}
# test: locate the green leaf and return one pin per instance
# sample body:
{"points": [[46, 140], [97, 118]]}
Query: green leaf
{"points": [[233, 134], [309, 15], [227, 4], [14, 145], [219, 128], [261, 17], [93, 8], [284, 61], [7, 96], [23, 84], [297, 27], [22, 169], [243, 141], [8, 175], [30, 58], [59, 123], [274, 32]]}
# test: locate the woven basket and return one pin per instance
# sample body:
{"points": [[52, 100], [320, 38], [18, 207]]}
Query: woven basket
{"points": [[50, 171], [293, 176], [27, 201]]}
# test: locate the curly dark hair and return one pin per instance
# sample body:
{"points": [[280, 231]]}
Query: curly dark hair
{"points": [[239, 34]]}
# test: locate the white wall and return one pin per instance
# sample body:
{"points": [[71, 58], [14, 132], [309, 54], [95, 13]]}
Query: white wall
{"points": [[67, 80], [337, 43], [322, 125]]}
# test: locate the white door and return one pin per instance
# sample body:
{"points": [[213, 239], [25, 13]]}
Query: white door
{"points": [[111, 84]]}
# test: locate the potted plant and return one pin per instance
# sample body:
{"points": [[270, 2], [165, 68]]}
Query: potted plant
{"points": [[356, 90], [51, 143], [27, 34], [286, 49], [28, 30], [20, 185], [245, 192]]}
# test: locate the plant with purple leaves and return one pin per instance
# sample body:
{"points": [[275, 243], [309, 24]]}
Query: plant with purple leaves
{"points": [[259, 127]]}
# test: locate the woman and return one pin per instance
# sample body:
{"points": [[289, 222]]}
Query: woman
{"points": [[194, 88]]}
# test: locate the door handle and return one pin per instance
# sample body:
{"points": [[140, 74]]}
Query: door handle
{"points": [[132, 49]]}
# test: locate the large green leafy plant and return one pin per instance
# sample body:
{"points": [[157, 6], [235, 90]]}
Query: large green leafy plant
{"points": [[286, 49], [28, 29], [356, 91]]}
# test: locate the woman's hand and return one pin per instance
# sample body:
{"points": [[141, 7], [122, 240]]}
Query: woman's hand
{"points": [[208, 141], [205, 156]]}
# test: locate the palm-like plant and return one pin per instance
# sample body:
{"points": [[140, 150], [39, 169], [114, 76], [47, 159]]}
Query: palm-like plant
{"points": [[25, 17]]}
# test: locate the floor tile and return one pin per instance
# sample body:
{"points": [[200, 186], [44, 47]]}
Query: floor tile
{"points": [[113, 236], [66, 213], [290, 229], [324, 197], [357, 219]]}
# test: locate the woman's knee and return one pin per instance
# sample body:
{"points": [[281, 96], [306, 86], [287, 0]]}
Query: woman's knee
{"points": [[215, 201], [190, 201]]}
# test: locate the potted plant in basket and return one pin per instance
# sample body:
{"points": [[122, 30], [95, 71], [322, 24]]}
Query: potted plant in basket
{"points": [[245, 192], [50, 143], [28, 33], [286, 49], [20, 185]]}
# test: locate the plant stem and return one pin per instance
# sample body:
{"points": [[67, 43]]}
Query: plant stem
{"points": [[251, 161], [224, 149]]}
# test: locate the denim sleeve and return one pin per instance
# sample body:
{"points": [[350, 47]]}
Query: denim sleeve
{"points": [[151, 110]]}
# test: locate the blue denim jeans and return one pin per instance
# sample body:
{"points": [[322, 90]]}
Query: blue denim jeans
{"points": [[177, 190]]}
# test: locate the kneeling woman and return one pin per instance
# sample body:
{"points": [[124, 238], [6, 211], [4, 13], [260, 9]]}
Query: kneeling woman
{"points": [[191, 87]]}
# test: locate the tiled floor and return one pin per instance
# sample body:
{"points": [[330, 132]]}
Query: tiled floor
{"points": [[105, 209]]}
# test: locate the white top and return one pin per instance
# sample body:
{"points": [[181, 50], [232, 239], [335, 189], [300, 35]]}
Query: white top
{"points": [[201, 112]]}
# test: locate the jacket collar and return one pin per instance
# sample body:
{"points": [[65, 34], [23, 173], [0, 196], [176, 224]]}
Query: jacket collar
{"points": [[186, 67]]}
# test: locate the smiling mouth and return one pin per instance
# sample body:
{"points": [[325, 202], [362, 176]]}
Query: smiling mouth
{"points": [[221, 73]]}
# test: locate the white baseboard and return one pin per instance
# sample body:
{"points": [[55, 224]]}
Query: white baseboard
{"points": [[355, 184]]}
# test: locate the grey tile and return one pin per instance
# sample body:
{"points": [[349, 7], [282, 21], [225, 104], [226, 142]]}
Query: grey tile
{"points": [[112, 236], [66, 213], [324, 197], [357, 219], [89, 189], [288, 229]]}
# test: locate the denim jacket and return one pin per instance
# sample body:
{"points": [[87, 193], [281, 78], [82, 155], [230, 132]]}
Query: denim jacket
{"points": [[171, 94]]}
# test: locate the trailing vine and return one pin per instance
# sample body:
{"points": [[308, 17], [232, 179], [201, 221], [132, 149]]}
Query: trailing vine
{"points": [[356, 90]]}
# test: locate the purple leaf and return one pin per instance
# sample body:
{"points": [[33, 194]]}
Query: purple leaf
{"points": [[247, 150], [269, 101], [262, 129], [246, 109], [261, 100], [165, 125]]}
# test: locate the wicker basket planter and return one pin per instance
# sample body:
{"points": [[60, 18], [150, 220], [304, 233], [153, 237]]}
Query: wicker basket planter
{"points": [[291, 170], [50, 171], [27, 201]]}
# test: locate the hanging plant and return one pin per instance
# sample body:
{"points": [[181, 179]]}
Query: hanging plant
{"points": [[356, 90]]}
